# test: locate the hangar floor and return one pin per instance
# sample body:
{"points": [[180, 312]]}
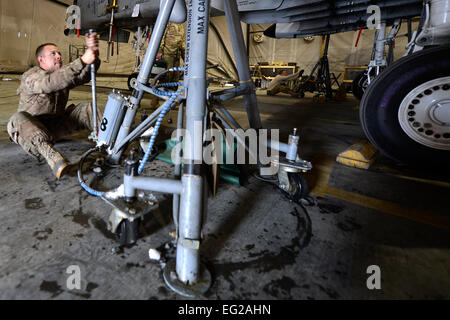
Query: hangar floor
{"points": [[257, 244]]}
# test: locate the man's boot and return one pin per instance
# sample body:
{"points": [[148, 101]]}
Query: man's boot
{"points": [[57, 162]]}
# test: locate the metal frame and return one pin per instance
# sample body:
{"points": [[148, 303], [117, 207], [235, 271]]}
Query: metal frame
{"points": [[187, 276]]}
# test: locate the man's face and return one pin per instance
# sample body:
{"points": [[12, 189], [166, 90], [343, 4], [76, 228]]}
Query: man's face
{"points": [[50, 60], [284, 73]]}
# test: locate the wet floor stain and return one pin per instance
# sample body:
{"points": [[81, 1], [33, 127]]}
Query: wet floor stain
{"points": [[52, 184], [267, 261], [326, 208], [87, 294], [101, 226], [51, 287], [42, 234], [33, 204], [91, 286], [249, 247], [79, 217], [349, 225], [329, 291], [130, 265], [281, 288]]}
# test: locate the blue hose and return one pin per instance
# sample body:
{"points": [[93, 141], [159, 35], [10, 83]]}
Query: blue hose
{"points": [[80, 178], [166, 107]]}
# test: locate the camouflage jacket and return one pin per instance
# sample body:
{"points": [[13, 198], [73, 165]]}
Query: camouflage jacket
{"points": [[42, 92]]}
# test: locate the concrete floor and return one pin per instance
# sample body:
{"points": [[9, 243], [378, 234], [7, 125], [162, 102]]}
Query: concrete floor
{"points": [[257, 244]]}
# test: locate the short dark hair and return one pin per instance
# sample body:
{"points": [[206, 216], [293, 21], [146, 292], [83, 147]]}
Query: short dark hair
{"points": [[41, 48]]}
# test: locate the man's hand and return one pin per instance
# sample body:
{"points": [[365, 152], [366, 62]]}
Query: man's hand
{"points": [[91, 54]]}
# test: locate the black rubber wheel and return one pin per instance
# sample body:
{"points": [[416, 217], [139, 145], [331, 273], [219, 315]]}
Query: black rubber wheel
{"points": [[301, 190], [128, 231], [357, 85], [132, 79], [360, 84], [379, 108]]}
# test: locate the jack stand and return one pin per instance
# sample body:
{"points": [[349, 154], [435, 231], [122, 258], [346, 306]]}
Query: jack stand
{"points": [[111, 8], [322, 82]]}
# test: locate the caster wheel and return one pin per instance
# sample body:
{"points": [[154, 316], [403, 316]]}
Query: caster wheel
{"points": [[128, 231], [132, 80], [299, 187], [405, 112]]}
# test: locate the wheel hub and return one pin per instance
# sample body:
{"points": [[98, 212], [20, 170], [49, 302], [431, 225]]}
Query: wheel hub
{"points": [[424, 114], [441, 113]]}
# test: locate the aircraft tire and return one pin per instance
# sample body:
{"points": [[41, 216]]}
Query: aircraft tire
{"points": [[405, 111]]}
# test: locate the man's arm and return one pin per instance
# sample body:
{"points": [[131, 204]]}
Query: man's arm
{"points": [[85, 74], [42, 82]]}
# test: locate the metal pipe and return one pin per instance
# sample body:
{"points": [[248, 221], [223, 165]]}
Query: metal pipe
{"points": [[147, 64], [177, 171], [163, 185], [380, 44], [178, 14], [237, 40], [225, 49], [237, 136], [229, 94], [111, 24], [229, 117], [283, 147], [188, 255], [155, 40], [138, 130], [94, 98]]}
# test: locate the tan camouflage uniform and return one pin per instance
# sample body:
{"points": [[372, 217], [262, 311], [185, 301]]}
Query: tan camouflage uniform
{"points": [[42, 116], [172, 48]]}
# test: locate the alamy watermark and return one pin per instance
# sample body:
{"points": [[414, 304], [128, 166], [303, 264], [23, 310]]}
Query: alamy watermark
{"points": [[73, 281], [374, 280], [374, 20], [229, 146], [73, 20]]}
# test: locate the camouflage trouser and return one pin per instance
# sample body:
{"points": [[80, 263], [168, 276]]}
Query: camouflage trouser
{"points": [[29, 131], [283, 89], [172, 61]]}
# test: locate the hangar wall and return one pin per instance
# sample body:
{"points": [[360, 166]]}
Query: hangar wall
{"points": [[342, 50], [25, 24]]}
